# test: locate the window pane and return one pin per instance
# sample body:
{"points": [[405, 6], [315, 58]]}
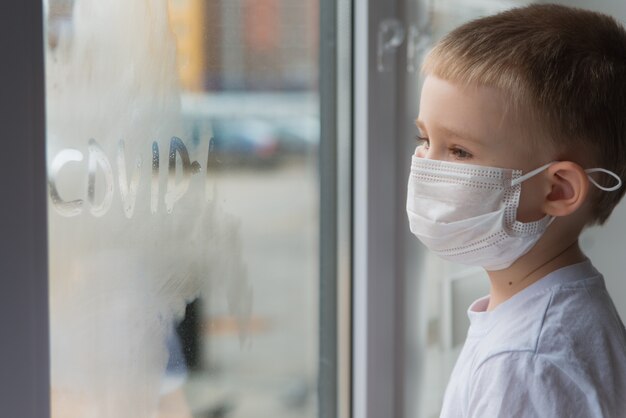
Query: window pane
{"points": [[182, 149]]}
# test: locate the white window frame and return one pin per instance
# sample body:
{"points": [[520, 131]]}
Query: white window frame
{"points": [[375, 379], [388, 358]]}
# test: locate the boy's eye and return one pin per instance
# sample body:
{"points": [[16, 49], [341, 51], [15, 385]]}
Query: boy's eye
{"points": [[460, 154]]}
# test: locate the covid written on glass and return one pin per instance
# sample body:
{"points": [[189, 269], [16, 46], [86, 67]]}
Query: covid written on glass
{"points": [[176, 186]]}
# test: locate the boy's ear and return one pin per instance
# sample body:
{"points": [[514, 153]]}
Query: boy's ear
{"points": [[569, 187]]}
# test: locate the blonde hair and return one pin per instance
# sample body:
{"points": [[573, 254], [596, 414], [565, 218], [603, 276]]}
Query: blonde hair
{"points": [[567, 66]]}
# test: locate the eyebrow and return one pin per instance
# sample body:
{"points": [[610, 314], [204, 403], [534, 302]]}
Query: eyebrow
{"points": [[450, 132]]}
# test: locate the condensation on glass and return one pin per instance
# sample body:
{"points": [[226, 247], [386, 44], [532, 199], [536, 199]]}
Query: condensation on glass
{"points": [[182, 147]]}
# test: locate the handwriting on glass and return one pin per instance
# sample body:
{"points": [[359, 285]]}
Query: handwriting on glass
{"points": [[97, 161]]}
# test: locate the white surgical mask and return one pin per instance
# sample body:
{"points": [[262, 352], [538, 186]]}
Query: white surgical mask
{"points": [[467, 213]]}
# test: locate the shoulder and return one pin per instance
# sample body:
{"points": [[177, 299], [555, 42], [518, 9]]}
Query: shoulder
{"points": [[585, 303], [581, 323], [528, 384], [576, 320]]}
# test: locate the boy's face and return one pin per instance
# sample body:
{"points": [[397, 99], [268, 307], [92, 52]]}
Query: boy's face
{"points": [[470, 125]]}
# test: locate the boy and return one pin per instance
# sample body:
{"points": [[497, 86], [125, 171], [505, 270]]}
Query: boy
{"points": [[516, 111]]}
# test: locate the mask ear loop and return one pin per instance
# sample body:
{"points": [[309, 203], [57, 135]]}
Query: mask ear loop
{"points": [[531, 174], [602, 170], [588, 171]]}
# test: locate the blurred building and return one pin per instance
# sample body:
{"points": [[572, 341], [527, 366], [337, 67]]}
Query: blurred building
{"points": [[188, 20], [246, 44]]}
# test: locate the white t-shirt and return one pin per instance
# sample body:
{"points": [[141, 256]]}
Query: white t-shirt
{"points": [[555, 349]]}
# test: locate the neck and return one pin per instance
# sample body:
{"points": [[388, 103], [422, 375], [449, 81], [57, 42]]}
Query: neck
{"points": [[531, 268]]}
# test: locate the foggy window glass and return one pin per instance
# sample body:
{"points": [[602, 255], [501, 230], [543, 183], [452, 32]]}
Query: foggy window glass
{"points": [[182, 150]]}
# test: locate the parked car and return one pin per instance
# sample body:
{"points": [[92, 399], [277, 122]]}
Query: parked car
{"points": [[234, 141], [298, 135], [250, 141]]}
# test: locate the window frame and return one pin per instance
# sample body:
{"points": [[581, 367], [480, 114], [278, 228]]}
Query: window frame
{"points": [[377, 355], [336, 176], [388, 348], [24, 350]]}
